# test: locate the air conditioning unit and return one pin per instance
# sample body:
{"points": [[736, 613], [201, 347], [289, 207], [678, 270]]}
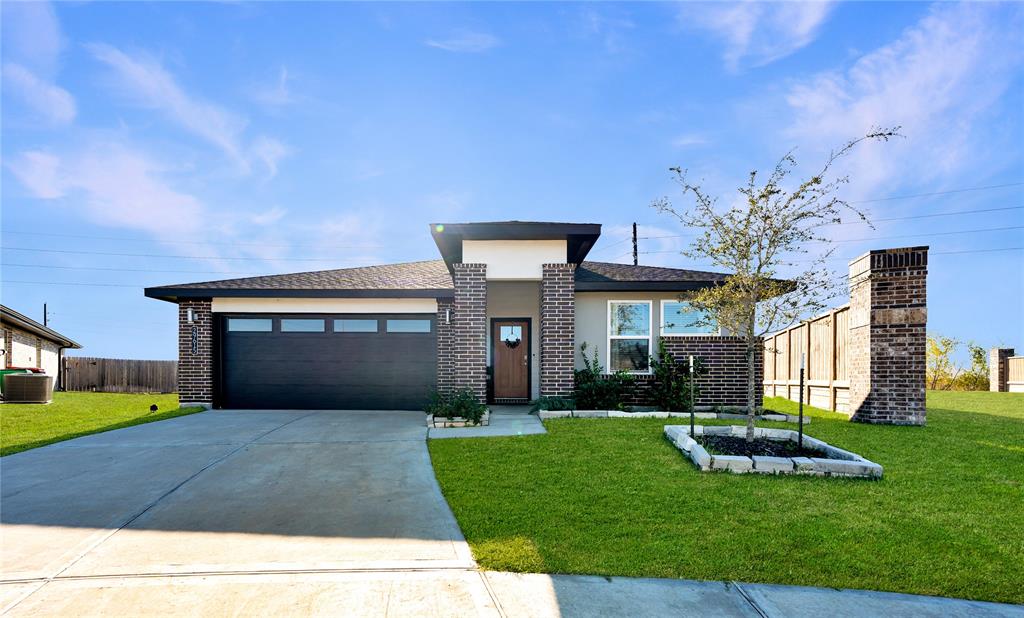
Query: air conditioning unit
{"points": [[28, 388]]}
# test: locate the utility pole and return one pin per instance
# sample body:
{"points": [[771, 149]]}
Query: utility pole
{"points": [[636, 260], [45, 317]]}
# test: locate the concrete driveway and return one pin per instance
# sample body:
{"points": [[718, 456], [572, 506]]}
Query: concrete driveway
{"points": [[296, 513], [313, 506]]}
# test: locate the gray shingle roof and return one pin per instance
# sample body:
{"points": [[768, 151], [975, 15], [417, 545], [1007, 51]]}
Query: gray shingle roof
{"points": [[428, 275], [608, 271], [428, 278]]}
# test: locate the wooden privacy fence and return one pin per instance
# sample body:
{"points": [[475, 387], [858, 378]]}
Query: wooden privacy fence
{"points": [[823, 341], [1015, 374], [119, 375]]}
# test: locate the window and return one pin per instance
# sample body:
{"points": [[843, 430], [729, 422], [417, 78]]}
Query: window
{"points": [[250, 325], [679, 318], [301, 325], [629, 335], [355, 326], [408, 326]]}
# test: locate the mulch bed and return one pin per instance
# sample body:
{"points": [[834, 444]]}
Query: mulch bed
{"points": [[729, 445]]}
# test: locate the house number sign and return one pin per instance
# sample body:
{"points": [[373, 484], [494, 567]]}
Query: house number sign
{"points": [[195, 340]]}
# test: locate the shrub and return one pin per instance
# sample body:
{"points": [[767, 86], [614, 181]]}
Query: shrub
{"points": [[671, 388], [553, 403], [597, 391], [461, 402]]}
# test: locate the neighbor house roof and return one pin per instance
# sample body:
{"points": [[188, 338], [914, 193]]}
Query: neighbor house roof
{"points": [[11, 317], [429, 279]]}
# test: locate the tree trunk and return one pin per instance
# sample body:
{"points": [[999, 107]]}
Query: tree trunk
{"points": [[751, 397]]}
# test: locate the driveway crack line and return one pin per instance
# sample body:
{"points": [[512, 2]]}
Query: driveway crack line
{"points": [[750, 601], [148, 507]]}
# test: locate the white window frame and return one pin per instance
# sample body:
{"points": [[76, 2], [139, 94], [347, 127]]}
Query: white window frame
{"points": [[610, 337], [661, 325]]}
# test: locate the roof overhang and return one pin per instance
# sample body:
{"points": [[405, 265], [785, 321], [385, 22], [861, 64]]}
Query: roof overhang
{"points": [[643, 286], [579, 237], [173, 294], [17, 320]]}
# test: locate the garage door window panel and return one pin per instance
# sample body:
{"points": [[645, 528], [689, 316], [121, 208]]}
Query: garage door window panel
{"points": [[408, 326], [250, 325], [355, 326], [301, 325]]}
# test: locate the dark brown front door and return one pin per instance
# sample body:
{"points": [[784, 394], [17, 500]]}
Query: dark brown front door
{"points": [[511, 344]]}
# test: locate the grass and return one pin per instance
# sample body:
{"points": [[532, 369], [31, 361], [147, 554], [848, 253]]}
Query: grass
{"points": [[613, 497], [71, 415]]}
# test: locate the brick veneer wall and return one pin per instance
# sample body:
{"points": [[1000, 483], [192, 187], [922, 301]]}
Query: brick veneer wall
{"points": [[195, 371], [557, 329], [445, 344], [999, 369], [470, 321], [887, 337], [725, 380]]}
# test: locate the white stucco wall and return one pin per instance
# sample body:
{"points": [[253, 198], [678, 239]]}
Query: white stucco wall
{"points": [[517, 299], [324, 305], [592, 319], [514, 259]]}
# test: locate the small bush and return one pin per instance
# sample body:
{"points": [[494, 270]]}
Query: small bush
{"points": [[671, 389], [553, 403], [597, 391], [461, 402]]}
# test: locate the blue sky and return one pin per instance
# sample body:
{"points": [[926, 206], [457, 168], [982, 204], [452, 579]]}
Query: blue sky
{"points": [[215, 140]]}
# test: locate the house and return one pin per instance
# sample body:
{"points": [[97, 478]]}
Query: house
{"points": [[503, 313], [27, 343]]}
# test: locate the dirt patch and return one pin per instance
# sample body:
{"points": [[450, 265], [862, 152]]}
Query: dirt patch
{"points": [[729, 445]]}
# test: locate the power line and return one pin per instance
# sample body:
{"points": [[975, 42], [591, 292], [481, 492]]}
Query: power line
{"points": [[934, 193], [188, 242], [138, 270], [182, 257]]}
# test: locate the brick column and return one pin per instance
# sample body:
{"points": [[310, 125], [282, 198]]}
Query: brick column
{"points": [[195, 353], [999, 369], [557, 329], [887, 337], [445, 344], [470, 321]]}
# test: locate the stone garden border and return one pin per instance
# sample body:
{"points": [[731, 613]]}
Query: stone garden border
{"points": [[457, 421], [835, 461], [780, 418]]}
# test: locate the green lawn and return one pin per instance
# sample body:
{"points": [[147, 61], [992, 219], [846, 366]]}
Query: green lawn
{"points": [[26, 426], [613, 497]]}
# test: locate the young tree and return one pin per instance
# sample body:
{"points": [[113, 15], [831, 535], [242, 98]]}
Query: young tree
{"points": [[940, 369], [768, 230]]}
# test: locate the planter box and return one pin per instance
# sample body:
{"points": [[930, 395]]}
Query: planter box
{"points": [[833, 461], [457, 421]]}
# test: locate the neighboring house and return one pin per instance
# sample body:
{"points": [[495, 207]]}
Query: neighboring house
{"points": [[27, 343], [503, 313]]}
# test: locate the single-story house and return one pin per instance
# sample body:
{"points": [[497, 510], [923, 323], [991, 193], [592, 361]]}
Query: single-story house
{"points": [[29, 344], [503, 312]]}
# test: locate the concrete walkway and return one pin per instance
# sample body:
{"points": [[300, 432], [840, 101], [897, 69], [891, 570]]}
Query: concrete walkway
{"points": [[307, 513]]}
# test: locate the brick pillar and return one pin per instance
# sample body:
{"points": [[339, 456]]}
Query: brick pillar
{"points": [[470, 319], [195, 353], [999, 369], [445, 344], [557, 329], [887, 338]]}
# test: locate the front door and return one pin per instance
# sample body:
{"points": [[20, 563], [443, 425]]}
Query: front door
{"points": [[511, 345]]}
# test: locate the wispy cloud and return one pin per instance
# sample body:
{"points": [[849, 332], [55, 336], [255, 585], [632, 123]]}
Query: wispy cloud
{"points": [[32, 35], [465, 41], [936, 80], [49, 101], [145, 82], [757, 33], [121, 187], [609, 29], [275, 94], [687, 140]]}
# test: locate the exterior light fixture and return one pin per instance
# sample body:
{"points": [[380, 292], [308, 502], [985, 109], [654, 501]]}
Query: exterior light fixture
{"points": [[189, 316]]}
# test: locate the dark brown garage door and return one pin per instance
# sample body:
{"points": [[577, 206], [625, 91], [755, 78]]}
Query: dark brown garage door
{"points": [[320, 362]]}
